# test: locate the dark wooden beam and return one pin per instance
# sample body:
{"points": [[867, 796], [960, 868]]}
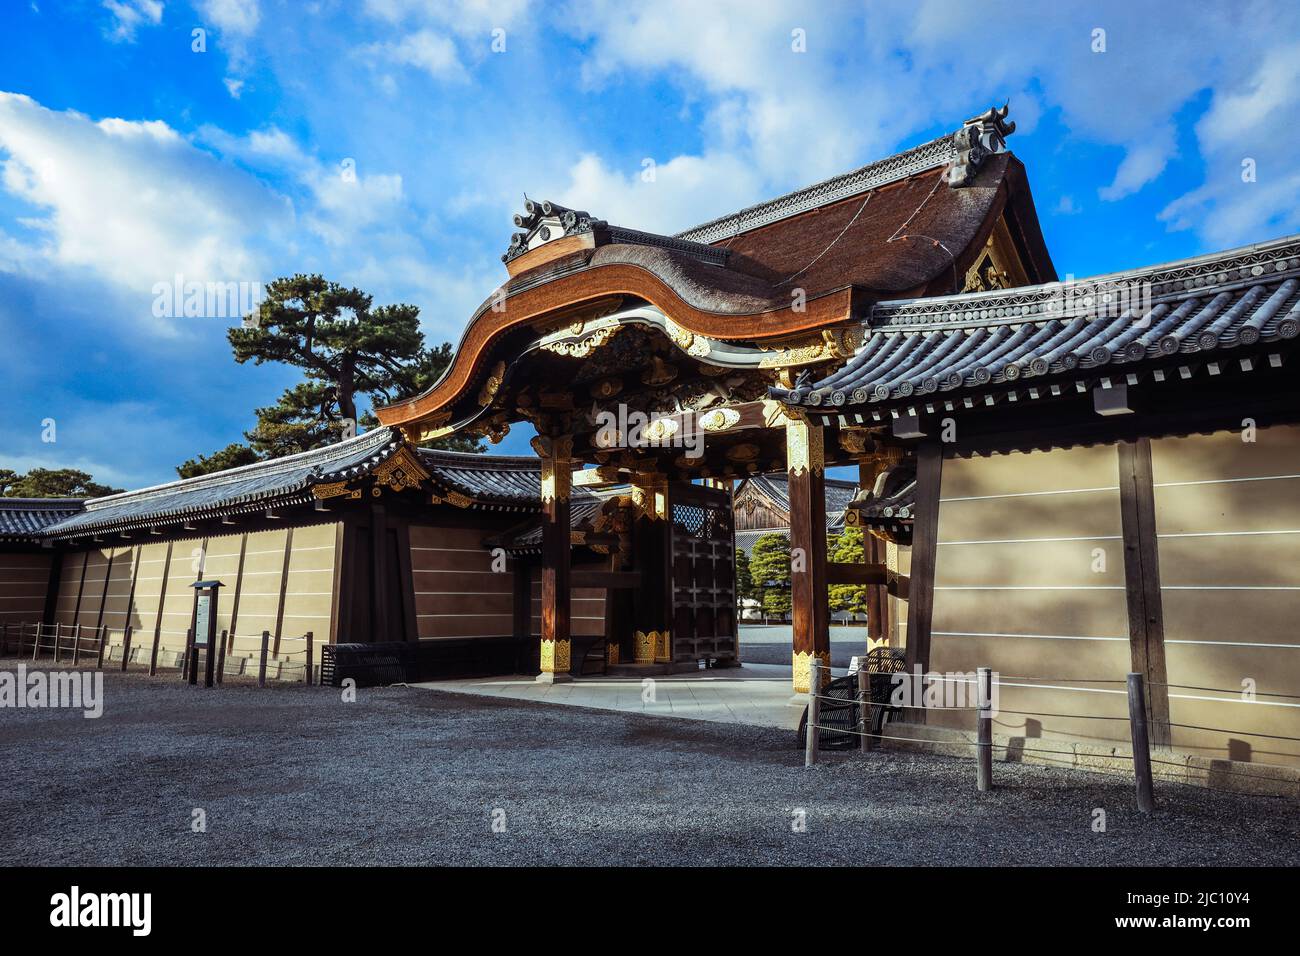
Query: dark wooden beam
{"points": [[1146, 624]]}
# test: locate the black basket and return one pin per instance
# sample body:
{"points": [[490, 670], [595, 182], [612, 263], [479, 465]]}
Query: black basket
{"points": [[840, 711]]}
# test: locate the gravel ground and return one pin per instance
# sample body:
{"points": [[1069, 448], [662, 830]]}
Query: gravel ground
{"points": [[291, 775]]}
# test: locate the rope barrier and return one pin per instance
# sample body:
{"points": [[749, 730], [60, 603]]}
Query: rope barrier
{"points": [[1222, 690], [1030, 713], [966, 743], [1244, 733]]}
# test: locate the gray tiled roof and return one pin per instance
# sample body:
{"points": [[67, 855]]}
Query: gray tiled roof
{"points": [[777, 487], [1210, 308], [25, 518], [282, 481], [499, 479]]}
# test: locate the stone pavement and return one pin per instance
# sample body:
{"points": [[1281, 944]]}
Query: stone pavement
{"points": [[755, 694]]}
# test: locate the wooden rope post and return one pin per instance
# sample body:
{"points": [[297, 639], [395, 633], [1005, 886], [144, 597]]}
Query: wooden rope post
{"points": [[103, 639], [814, 712], [58, 639], [864, 706], [307, 671], [984, 730], [221, 657], [1137, 721], [126, 646], [189, 646], [153, 654], [261, 666], [76, 645], [36, 642]]}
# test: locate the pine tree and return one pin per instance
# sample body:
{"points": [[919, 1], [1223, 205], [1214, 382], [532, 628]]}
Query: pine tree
{"points": [[744, 580], [769, 565], [348, 349], [53, 483], [847, 548]]}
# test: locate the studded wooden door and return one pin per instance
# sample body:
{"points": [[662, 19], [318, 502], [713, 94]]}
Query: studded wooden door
{"points": [[704, 576]]}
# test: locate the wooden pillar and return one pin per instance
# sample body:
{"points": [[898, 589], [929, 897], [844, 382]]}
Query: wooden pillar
{"points": [[805, 464], [1146, 624], [652, 605], [557, 468], [925, 536], [874, 552]]}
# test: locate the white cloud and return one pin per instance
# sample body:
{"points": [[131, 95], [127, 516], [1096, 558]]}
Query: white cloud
{"points": [[1251, 175], [132, 201], [237, 17], [424, 50], [871, 82], [130, 15], [685, 191]]}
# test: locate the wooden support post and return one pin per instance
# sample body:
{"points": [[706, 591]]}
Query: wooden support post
{"points": [[221, 658], [209, 660], [126, 646], [1146, 624], [984, 729], [307, 669], [103, 639], [1137, 721], [58, 639], [261, 664], [153, 654], [805, 463], [814, 713], [557, 468], [864, 706], [925, 539]]}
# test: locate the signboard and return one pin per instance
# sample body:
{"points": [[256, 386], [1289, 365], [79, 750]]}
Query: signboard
{"points": [[202, 617]]}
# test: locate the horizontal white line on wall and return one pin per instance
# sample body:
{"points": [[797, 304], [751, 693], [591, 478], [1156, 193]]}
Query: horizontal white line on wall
{"points": [[498, 614], [1290, 647], [1222, 534], [454, 571], [1029, 587], [1221, 481], [1033, 494], [469, 593], [461, 637], [1046, 637], [1230, 587], [1091, 537], [459, 550]]}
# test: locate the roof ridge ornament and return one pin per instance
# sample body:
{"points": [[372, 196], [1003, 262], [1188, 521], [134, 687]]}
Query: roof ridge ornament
{"points": [[980, 137], [541, 221]]}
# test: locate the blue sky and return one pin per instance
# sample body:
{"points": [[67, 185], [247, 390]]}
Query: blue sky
{"points": [[385, 143]]}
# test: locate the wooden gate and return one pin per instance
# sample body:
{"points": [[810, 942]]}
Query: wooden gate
{"points": [[703, 577]]}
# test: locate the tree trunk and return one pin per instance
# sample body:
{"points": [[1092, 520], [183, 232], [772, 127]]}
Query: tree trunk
{"points": [[347, 403]]}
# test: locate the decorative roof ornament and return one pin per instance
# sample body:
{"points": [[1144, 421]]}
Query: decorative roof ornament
{"points": [[979, 138], [544, 221]]}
